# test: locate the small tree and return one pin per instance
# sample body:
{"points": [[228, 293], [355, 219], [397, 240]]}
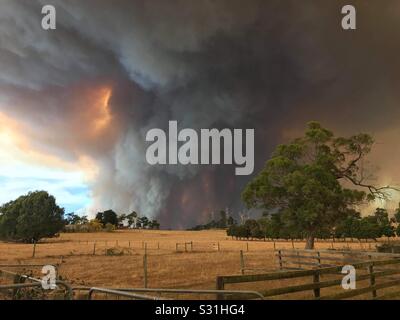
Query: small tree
{"points": [[84, 220], [349, 227], [95, 226], [154, 224], [231, 221], [132, 217], [109, 227], [369, 229], [396, 219], [381, 218], [108, 216], [222, 223]]}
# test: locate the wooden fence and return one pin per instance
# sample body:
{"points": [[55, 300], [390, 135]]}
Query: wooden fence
{"points": [[373, 276], [186, 245], [306, 259]]}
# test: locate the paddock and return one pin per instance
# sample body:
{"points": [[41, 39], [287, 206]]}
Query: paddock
{"points": [[149, 259]]}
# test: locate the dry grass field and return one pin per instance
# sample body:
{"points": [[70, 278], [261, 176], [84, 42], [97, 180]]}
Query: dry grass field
{"points": [[167, 268]]}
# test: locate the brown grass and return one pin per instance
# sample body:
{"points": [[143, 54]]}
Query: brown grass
{"points": [[166, 267]]}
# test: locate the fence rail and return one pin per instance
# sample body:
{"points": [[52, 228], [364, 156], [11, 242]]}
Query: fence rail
{"points": [[119, 293], [316, 285], [115, 291], [186, 245], [19, 283], [295, 259], [132, 293], [373, 275]]}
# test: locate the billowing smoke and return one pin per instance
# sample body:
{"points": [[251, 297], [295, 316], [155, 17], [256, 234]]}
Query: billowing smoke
{"points": [[89, 91]]}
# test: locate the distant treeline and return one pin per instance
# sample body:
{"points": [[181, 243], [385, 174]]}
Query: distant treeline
{"points": [[354, 226], [222, 223], [108, 221]]}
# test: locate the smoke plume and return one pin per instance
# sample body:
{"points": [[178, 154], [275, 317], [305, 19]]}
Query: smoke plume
{"points": [[87, 92]]}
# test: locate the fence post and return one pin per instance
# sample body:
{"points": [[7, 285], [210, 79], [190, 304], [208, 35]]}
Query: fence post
{"points": [[280, 260], [247, 245], [34, 249], [158, 246], [219, 247], [298, 259], [145, 266], [16, 280], [319, 259], [292, 244], [241, 262], [94, 249], [274, 246], [372, 279], [220, 286], [129, 244], [177, 247], [191, 245], [317, 291]]}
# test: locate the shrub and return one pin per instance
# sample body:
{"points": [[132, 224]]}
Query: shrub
{"points": [[109, 227]]}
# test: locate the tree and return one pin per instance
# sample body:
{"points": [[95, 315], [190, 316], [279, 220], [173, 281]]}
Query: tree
{"points": [[396, 219], [108, 216], [109, 227], [381, 219], [74, 219], [132, 217], [95, 225], [349, 227], [121, 219], [144, 222], [231, 221], [222, 223], [71, 218], [252, 228], [154, 224], [84, 220], [31, 217], [368, 229], [303, 181], [99, 217]]}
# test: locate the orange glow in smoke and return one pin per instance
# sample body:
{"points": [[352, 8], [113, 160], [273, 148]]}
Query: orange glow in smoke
{"points": [[14, 140], [104, 117]]}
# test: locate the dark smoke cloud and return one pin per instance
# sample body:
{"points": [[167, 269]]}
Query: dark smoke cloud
{"points": [[269, 65]]}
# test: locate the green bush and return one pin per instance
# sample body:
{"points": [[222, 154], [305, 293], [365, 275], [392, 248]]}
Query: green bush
{"points": [[109, 227]]}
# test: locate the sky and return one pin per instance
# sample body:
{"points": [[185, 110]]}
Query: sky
{"points": [[22, 170], [76, 102]]}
